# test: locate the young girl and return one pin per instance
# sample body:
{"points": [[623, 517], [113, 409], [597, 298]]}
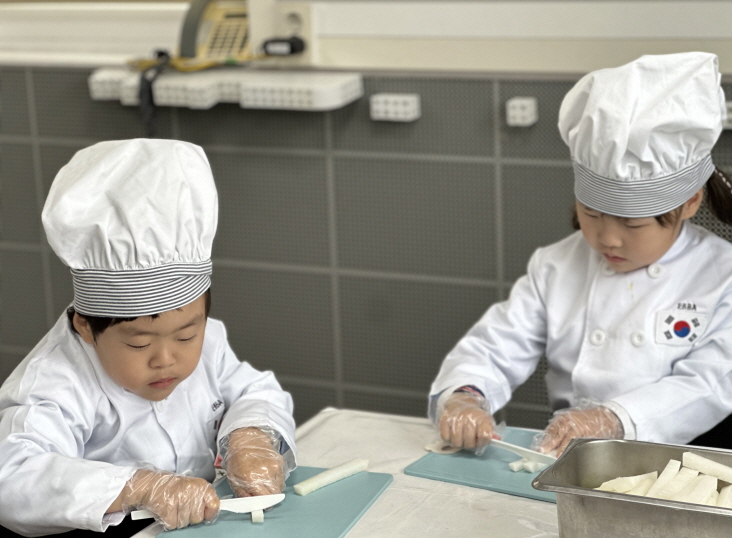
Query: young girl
{"points": [[634, 311], [130, 398]]}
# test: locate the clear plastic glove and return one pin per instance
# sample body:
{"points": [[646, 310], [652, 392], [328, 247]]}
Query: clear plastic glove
{"points": [[253, 465], [176, 501], [466, 422], [588, 419]]}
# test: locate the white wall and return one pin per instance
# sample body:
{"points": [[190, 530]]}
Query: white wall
{"points": [[541, 36]]}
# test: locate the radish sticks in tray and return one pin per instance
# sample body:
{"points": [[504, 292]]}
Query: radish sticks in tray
{"points": [[698, 482]]}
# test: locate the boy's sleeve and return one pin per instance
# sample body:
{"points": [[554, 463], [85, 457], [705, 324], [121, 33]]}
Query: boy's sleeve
{"points": [[45, 484], [254, 399], [501, 350]]}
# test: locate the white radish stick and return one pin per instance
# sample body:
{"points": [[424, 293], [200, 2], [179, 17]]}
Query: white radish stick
{"points": [[707, 466], [331, 475], [642, 487], [668, 473], [725, 497], [713, 498], [698, 490], [517, 465], [258, 516], [534, 466], [624, 484], [677, 483]]}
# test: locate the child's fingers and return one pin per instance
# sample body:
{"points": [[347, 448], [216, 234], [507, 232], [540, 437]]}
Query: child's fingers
{"points": [[550, 442], [211, 504], [456, 432], [196, 513], [484, 435], [469, 435], [445, 429]]}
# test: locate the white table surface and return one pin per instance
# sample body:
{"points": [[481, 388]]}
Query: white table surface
{"points": [[412, 506]]}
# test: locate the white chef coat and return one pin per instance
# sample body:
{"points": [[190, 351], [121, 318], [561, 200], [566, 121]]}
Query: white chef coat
{"points": [[70, 437], [654, 344]]}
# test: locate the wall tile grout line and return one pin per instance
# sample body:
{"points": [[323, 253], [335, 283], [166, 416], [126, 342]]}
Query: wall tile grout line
{"points": [[333, 248], [294, 152], [17, 246], [45, 249], [361, 273], [498, 201]]}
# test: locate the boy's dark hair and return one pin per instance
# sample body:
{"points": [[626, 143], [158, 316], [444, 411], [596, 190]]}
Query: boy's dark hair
{"points": [[99, 324], [718, 198]]}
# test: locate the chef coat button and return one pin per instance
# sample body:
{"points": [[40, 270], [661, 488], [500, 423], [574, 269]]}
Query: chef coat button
{"points": [[655, 270], [638, 339], [607, 270], [160, 406], [597, 337]]}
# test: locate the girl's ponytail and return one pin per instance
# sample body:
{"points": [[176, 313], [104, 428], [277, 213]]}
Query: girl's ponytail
{"points": [[719, 195]]}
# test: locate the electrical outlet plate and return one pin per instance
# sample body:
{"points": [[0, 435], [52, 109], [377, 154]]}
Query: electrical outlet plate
{"points": [[402, 107], [522, 111], [294, 18]]}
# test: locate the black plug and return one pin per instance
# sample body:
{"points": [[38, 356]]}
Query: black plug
{"points": [[284, 46]]}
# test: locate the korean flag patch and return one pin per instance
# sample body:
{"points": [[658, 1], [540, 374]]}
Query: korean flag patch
{"points": [[679, 327]]}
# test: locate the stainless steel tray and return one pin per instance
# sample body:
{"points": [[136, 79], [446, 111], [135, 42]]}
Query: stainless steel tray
{"points": [[588, 513]]}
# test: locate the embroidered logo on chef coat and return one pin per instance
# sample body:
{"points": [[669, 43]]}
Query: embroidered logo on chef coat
{"points": [[681, 326], [218, 409]]}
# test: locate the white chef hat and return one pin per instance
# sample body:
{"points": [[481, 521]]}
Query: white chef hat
{"points": [[641, 135], [135, 221]]}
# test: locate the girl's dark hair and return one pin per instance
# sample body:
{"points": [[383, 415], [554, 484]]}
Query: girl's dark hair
{"points": [[719, 195], [99, 324], [718, 198]]}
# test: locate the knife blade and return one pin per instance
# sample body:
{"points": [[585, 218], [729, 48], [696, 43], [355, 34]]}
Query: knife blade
{"points": [[529, 454], [240, 505]]}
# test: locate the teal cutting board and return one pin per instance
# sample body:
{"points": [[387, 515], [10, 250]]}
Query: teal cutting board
{"points": [[489, 471], [325, 513]]}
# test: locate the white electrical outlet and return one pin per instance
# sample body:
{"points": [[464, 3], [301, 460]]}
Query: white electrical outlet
{"points": [[727, 124], [395, 107], [296, 18], [522, 111]]}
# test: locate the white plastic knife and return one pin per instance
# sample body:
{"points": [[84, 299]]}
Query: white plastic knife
{"points": [[529, 454], [240, 505]]}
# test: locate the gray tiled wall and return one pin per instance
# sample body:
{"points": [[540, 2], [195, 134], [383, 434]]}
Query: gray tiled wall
{"points": [[351, 255]]}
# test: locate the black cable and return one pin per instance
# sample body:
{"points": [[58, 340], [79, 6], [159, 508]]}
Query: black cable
{"points": [[147, 103]]}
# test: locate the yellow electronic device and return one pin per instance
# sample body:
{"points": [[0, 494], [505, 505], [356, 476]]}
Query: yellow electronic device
{"points": [[215, 32], [218, 32]]}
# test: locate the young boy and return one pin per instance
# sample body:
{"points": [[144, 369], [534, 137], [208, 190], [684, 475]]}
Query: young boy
{"points": [[127, 400]]}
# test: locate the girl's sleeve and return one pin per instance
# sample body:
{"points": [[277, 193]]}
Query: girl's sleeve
{"points": [[695, 397], [45, 484], [501, 350], [253, 399]]}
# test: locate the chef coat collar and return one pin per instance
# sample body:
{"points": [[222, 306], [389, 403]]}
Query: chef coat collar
{"points": [[680, 245]]}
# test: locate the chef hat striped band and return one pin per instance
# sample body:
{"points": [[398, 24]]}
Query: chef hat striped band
{"points": [[640, 198], [144, 292]]}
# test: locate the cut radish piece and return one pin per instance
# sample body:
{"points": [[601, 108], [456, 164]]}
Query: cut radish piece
{"points": [[669, 472], [331, 475], [707, 466]]}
